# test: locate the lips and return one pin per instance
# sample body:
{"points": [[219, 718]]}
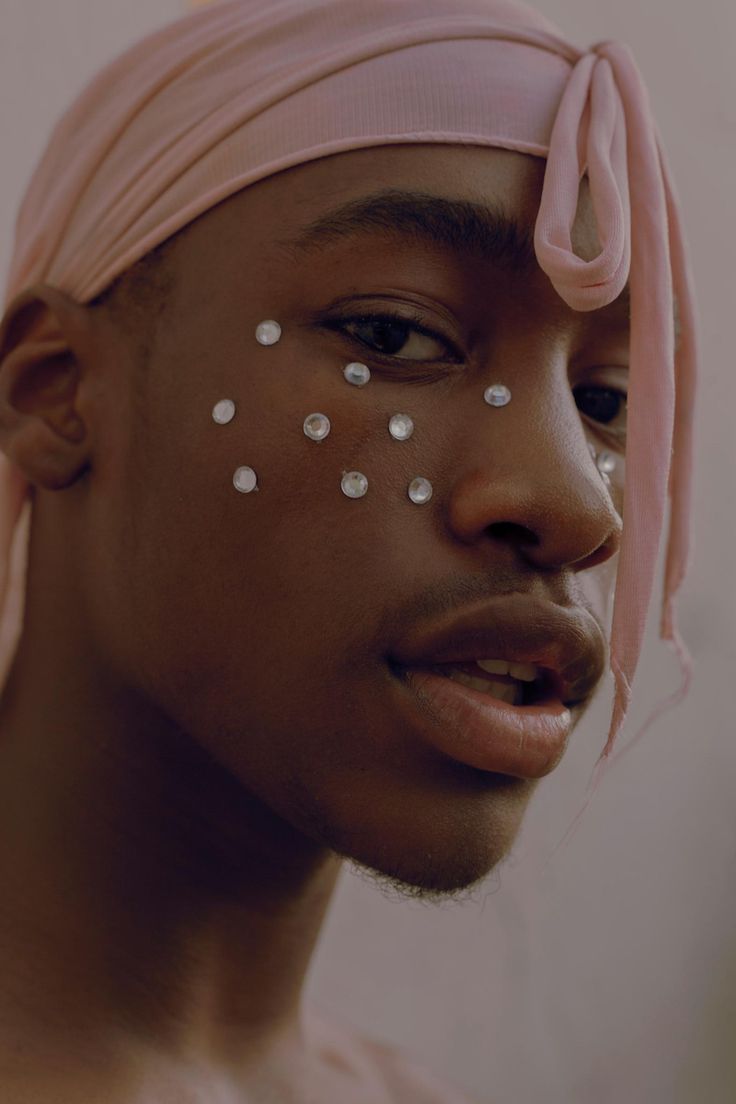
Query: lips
{"points": [[481, 731], [527, 740], [565, 641]]}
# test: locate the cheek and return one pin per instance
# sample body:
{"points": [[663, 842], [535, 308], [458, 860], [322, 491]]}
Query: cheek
{"points": [[255, 608]]}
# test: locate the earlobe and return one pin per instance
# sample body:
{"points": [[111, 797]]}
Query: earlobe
{"points": [[41, 431]]}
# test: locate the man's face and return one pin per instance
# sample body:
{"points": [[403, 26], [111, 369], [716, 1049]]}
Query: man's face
{"points": [[263, 624]]}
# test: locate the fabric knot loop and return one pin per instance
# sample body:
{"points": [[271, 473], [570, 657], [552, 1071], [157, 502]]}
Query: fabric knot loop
{"points": [[589, 133]]}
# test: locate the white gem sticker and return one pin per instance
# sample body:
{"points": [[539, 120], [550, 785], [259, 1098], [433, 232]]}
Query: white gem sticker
{"points": [[357, 374], [317, 426], [497, 395], [268, 332], [401, 427], [245, 480], [606, 463], [354, 484], [420, 490], [224, 411]]}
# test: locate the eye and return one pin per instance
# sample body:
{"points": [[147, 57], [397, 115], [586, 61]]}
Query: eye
{"points": [[387, 334], [607, 405]]}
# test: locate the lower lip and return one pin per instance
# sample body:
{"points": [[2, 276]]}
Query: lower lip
{"points": [[527, 741]]}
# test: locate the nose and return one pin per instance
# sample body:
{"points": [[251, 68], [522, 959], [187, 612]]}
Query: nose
{"points": [[524, 475]]}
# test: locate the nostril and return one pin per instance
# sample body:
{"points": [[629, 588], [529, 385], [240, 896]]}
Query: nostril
{"points": [[519, 533]]}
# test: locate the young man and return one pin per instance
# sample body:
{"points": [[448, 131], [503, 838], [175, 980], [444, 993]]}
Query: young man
{"points": [[293, 475]]}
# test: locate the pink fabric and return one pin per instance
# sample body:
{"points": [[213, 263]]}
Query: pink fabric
{"points": [[241, 89]]}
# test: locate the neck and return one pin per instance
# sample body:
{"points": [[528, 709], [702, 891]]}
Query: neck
{"points": [[151, 902]]}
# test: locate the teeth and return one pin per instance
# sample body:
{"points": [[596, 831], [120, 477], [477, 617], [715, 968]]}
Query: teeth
{"points": [[527, 672], [510, 694]]}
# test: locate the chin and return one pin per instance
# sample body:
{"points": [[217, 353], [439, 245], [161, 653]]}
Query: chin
{"points": [[433, 853]]}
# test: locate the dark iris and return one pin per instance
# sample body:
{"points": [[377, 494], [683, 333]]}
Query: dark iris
{"points": [[601, 403], [387, 336]]}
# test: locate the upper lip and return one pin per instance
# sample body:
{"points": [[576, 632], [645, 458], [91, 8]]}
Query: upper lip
{"points": [[566, 641]]}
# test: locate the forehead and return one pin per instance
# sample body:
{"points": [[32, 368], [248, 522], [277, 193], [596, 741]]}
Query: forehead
{"points": [[470, 201], [474, 203]]}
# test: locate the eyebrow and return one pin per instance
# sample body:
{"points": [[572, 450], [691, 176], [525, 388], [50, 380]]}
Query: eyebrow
{"points": [[461, 226]]}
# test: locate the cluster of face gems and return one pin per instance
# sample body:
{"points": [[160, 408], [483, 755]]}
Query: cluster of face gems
{"points": [[354, 484], [245, 479]]}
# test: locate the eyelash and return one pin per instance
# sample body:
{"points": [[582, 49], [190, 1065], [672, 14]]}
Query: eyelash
{"points": [[414, 323]]}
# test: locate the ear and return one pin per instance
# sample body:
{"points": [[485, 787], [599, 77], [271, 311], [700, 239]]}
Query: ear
{"points": [[43, 339]]}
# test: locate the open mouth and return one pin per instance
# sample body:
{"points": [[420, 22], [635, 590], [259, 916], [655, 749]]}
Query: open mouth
{"points": [[507, 688], [496, 723]]}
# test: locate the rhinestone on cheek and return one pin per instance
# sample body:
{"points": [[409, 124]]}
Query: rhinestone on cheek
{"points": [[224, 411], [245, 480], [420, 490], [317, 426], [268, 332], [605, 462], [357, 374], [401, 427], [497, 395], [354, 484]]}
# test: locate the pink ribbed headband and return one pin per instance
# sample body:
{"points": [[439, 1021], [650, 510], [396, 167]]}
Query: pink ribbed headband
{"points": [[241, 89]]}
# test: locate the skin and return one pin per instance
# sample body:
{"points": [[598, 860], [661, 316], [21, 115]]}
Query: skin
{"points": [[198, 729]]}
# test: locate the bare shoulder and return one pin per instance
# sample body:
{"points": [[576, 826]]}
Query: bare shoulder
{"points": [[394, 1075]]}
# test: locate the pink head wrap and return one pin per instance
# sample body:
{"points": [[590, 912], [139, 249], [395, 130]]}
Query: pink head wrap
{"points": [[241, 89]]}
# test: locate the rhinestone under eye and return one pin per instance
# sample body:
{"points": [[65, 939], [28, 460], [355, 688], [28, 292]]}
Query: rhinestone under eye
{"points": [[497, 395], [224, 411], [420, 490], [317, 426], [357, 374], [268, 333], [606, 463], [245, 480], [401, 427], [354, 484]]}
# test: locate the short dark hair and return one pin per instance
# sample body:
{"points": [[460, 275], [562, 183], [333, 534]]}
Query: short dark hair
{"points": [[137, 302], [138, 298]]}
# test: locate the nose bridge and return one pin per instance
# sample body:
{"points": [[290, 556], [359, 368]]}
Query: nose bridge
{"points": [[527, 476]]}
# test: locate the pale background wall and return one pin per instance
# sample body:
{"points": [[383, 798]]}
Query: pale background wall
{"points": [[608, 975]]}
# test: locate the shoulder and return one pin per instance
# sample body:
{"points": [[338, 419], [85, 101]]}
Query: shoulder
{"points": [[396, 1076]]}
